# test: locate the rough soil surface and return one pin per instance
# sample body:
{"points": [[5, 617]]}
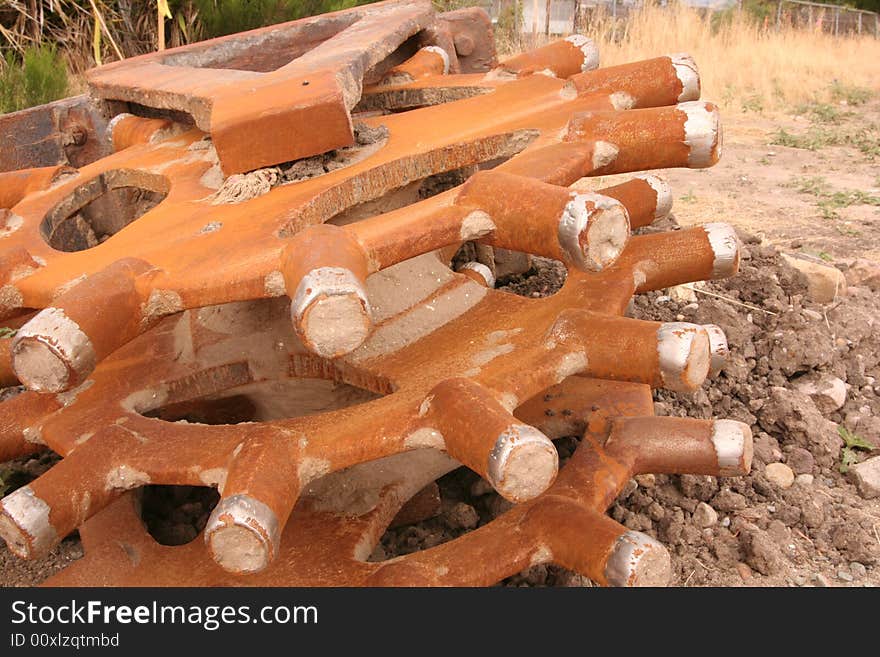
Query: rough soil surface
{"points": [[759, 530]]}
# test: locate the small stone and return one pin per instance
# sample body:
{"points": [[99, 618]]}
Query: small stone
{"points": [[799, 579], [661, 299], [461, 516], [821, 581], [844, 575], [825, 283], [682, 293], [827, 392], [744, 571], [728, 500], [864, 273], [800, 460], [858, 570], [804, 480], [866, 477], [646, 480], [691, 307], [779, 475], [725, 521], [705, 516]]}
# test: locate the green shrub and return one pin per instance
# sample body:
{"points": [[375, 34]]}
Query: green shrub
{"points": [[39, 78]]}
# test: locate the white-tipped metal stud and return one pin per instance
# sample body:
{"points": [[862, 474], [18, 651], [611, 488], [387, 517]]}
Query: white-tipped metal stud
{"points": [[24, 524], [243, 534], [683, 350], [593, 231], [687, 73], [664, 194], [725, 246], [330, 311], [481, 271], [588, 47], [702, 133], [638, 560], [717, 348], [733, 446], [437, 50], [522, 464], [51, 353]]}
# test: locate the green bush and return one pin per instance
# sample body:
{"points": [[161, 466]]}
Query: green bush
{"points": [[40, 77]]}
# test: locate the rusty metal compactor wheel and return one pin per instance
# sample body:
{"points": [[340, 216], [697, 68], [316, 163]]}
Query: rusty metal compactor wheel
{"points": [[305, 347]]}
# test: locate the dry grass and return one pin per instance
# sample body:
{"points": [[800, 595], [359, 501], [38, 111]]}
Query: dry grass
{"points": [[743, 66]]}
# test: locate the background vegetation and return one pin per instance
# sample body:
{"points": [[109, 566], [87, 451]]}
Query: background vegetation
{"points": [[744, 60]]}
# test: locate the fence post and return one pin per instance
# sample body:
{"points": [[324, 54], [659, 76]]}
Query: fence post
{"points": [[836, 20], [860, 22], [613, 8], [547, 17], [779, 15]]}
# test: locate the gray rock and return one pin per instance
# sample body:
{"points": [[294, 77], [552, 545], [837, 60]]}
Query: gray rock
{"points": [[858, 570], [866, 477], [705, 516], [779, 475], [827, 392]]}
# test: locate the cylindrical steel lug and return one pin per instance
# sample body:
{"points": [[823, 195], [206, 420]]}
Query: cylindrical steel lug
{"points": [[243, 534]]}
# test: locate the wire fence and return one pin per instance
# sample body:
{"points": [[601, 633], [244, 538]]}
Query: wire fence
{"points": [[556, 17]]}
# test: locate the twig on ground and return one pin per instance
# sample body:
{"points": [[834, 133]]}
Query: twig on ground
{"points": [[733, 301]]}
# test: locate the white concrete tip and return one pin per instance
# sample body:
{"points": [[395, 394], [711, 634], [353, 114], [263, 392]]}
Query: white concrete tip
{"points": [[522, 464], [437, 50], [243, 534], [733, 446], [51, 353], [684, 355], [330, 311], [24, 524], [593, 231], [638, 560], [687, 73], [702, 133], [589, 50], [717, 348], [482, 271], [725, 247], [664, 194]]}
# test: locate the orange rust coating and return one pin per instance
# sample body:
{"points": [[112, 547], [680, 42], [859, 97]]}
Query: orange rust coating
{"points": [[23, 412], [274, 122], [525, 213], [562, 58], [15, 262], [7, 375], [15, 185], [322, 246], [604, 341], [452, 406], [424, 63], [566, 525], [131, 130], [655, 137], [108, 307], [648, 83], [646, 442], [651, 258], [639, 199], [266, 469]]}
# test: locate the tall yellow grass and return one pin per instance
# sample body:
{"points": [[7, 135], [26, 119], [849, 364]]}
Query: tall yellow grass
{"points": [[743, 65]]}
